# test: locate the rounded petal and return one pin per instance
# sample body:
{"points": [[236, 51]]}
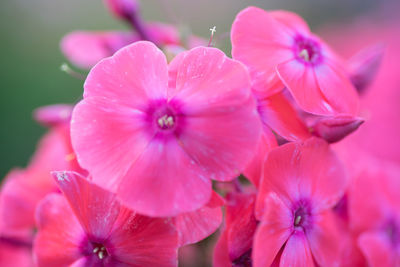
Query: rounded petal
{"points": [[220, 113], [273, 231], [254, 169], [297, 252], [304, 170], [95, 208], [197, 225], [261, 42], [85, 49], [301, 81], [278, 113], [59, 236], [164, 181], [15, 256], [326, 241], [291, 20], [107, 138], [143, 241], [136, 73], [337, 88]]}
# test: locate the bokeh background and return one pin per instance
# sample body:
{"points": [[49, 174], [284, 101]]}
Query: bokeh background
{"points": [[30, 31]]}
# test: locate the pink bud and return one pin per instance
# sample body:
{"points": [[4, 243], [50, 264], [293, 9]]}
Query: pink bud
{"points": [[123, 9], [365, 65], [334, 129], [53, 114]]}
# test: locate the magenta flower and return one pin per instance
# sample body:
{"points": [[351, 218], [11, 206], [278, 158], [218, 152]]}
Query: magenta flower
{"points": [[156, 139], [89, 227], [301, 183], [278, 47]]}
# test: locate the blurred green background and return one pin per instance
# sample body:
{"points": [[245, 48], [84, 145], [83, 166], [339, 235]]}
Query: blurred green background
{"points": [[30, 32]]}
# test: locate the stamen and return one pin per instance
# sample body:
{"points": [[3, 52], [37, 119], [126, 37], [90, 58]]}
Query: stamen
{"points": [[297, 220], [101, 255], [96, 249], [304, 55], [213, 30], [166, 121], [65, 68]]}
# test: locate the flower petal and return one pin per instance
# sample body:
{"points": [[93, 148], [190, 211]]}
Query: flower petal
{"points": [[377, 250], [85, 49], [261, 42], [164, 181], [136, 73], [273, 231], [95, 208], [297, 252], [325, 241], [278, 113], [303, 85], [107, 138], [59, 234], [304, 170], [197, 225], [337, 88], [143, 241], [220, 113]]}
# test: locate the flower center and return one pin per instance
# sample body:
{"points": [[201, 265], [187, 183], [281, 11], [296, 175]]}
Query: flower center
{"points": [[307, 50], [100, 251], [302, 215], [166, 121]]}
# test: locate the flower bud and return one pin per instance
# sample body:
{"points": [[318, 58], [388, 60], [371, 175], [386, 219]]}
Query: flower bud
{"points": [[123, 9], [365, 65], [334, 129]]}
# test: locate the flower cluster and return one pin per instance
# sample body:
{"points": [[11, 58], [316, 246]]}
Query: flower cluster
{"points": [[174, 140]]}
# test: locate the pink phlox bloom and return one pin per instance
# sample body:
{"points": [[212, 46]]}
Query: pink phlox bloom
{"points": [[87, 226], [374, 209], [23, 188], [301, 183], [84, 49], [161, 137], [53, 115], [280, 50], [234, 245]]}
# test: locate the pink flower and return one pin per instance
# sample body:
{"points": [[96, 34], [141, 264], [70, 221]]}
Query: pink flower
{"points": [[301, 183], [84, 49], [235, 242], [156, 139], [374, 209], [279, 49], [24, 188], [89, 227]]}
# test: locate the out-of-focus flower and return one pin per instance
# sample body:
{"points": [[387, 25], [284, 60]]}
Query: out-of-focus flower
{"points": [[374, 209], [301, 183], [279, 49], [15, 254], [162, 137], [380, 99], [236, 240], [84, 48], [88, 227]]}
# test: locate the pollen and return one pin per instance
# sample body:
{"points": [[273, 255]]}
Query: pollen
{"points": [[166, 122], [100, 251], [297, 221]]}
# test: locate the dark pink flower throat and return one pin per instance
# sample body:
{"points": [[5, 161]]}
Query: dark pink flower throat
{"points": [[307, 50]]}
